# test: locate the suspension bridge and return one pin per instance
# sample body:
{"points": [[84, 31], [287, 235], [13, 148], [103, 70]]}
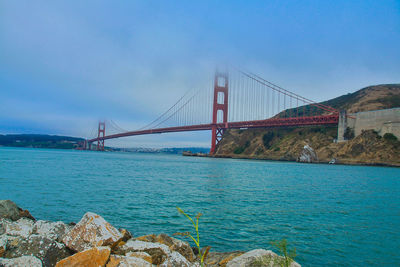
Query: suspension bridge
{"points": [[236, 101]]}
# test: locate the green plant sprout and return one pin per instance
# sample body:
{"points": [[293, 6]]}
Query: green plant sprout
{"points": [[285, 258], [196, 240]]}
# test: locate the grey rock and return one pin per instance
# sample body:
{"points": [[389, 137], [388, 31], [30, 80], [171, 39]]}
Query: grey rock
{"points": [[23, 261], [308, 155], [23, 227], [175, 259], [127, 261], [257, 257], [174, 244], [47, 250], [3, 223], [4, 241], [177, 245], [9, 210], [161, 254], [216, 259], [158, 252], [52, 230], [91, 231]]}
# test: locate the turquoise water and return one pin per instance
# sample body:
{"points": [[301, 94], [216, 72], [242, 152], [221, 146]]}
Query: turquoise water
{"points": [[333, 215]]}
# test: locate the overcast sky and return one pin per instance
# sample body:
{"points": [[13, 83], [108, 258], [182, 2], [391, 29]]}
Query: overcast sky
{"points": [[66, 64]]}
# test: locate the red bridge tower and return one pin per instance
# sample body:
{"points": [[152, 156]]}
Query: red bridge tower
{"points": [[100, 135], [220, 103]]}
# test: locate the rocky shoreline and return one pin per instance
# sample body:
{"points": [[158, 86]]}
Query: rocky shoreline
{"points": [[310, 145], [338, 162], [25, 241]]}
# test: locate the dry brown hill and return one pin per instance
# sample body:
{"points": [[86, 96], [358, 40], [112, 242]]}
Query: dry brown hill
{"points": [[369, 98]]}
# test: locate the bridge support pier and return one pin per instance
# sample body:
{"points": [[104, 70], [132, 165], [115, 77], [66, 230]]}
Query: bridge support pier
{"points": [[342, 126], [220, 104]]}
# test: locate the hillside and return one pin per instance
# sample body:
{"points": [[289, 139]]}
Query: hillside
{"points": [[369, 98], [39, 141], [288, 144]]}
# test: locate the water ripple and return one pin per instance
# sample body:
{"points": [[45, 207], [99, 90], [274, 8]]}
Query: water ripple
{"points": [[333, 215]]}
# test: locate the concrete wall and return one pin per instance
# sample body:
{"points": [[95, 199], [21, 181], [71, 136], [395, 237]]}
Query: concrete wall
{"points": [[383, 121]]}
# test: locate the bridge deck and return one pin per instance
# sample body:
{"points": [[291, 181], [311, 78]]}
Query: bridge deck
{"points": [[274, 122]]}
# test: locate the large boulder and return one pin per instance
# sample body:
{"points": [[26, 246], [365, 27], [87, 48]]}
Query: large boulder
{"points": [[93, 257], [23, 227], [127, 261], [52, 230], [258, 257], [221, 258], [10, 210], [174, 244], [22, 261], [47, 250], [91, 231], [175, 259], [143, 255], [158, 252]]}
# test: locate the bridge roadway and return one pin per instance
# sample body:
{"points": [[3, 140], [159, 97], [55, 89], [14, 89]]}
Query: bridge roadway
{"points": [[268, 123]]}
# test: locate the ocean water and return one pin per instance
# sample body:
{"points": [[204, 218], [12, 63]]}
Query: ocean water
{"points": [[333, 215]]}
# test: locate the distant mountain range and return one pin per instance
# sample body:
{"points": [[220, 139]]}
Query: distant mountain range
{"points": [[67, 142], [40, 141]]}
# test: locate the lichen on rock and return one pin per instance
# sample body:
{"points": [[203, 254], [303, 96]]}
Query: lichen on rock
{"points": [[47, 250], [22, 227], [23, 261], [52, 230], [91, 231], [127, 261], [173, 244]]}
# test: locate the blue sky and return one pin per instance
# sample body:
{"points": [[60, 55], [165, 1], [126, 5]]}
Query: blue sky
{"points": [[66, 64]]}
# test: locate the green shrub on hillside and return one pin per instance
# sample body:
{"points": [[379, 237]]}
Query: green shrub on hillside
{"points": [[247, 144], [321, 129], [238, 150], [391, 101], [390, 137], [349, 133], [267, 138]]}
